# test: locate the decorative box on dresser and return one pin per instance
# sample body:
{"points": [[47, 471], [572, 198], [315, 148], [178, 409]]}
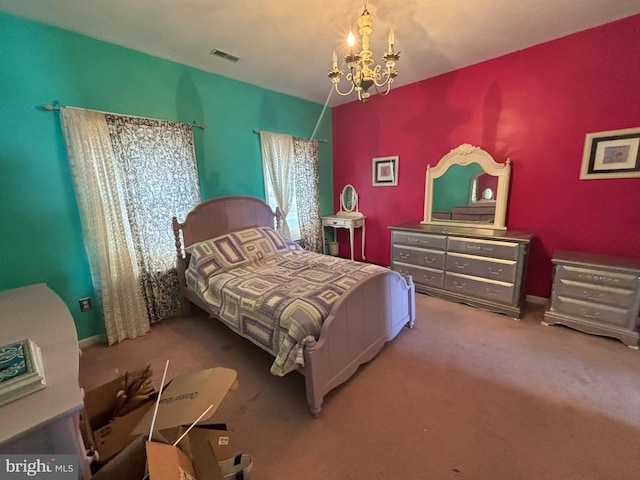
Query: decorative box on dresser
{"points": [[596, 294], [481, 267]]}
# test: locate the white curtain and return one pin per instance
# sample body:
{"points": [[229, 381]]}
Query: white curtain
{"points": [[277, 162], [131, 176], [108, 239]]}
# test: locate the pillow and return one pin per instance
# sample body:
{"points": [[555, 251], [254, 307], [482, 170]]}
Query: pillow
{"points": [[233, 250], [224, 250], [261, 243]]}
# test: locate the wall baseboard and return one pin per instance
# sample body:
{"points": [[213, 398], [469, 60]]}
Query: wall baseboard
{"points": [[537, 300], [87, 342]]}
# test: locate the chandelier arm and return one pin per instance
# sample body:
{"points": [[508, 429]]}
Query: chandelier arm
{"points": [[345, 93], [387, 90]]}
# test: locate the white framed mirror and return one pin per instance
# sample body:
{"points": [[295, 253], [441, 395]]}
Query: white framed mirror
{"points": [[467, 188], [349, 202]]}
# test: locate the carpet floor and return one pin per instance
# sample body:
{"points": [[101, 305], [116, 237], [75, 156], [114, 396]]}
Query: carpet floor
{"points": [[465, 394]]}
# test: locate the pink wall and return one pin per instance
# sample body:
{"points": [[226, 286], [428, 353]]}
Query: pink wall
{"points": [[534, 106]]}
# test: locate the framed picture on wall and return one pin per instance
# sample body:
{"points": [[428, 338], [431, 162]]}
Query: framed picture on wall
{"points": [[612, 154], [385, 171]]}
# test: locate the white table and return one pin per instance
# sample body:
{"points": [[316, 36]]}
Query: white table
{"points": [[336, 221], [46, 421]]}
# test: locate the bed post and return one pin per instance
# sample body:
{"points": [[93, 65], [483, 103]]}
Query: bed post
{"points": [[180, 268], [278, 219]]}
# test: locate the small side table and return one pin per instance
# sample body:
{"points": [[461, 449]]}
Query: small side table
{"points": [[351, 223]]}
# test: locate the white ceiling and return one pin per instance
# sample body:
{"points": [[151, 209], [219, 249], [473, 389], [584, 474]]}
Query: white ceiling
{"points": [[286, 45]]}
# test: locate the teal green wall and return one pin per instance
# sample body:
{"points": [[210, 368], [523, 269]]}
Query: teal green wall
{"points": [[41, 238]]}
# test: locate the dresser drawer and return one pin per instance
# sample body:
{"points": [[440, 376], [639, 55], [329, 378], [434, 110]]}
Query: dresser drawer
{"points": [[605, 314], [437, 242], [597, 277], [421, 276], [501, 292], [485, 248], [617, 297], [478, 209], [494, 269], [418, 256], [335, 222]]}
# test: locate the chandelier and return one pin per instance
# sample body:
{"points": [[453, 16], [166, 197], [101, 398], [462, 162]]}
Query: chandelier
{"points": [[363, 74]]}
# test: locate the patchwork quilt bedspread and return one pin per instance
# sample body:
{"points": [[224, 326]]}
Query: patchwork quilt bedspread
{"points": [[269, 290]]}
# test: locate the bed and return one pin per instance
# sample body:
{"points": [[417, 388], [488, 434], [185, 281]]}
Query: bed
{"points": [[320, 315]]}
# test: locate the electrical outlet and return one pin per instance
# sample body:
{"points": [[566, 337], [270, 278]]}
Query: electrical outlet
{"points": [[85, 304]]}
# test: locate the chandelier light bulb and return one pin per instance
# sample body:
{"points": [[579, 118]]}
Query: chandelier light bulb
{"points": [[351, 40]]}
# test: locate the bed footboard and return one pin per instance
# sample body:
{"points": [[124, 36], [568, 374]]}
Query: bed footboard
{"points": [[370, 314]]}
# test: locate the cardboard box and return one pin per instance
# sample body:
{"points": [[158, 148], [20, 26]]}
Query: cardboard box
{"points": [[166, 462], [216, 434], [199, 445], [182, 402], [110, 436], [186, 397], [220, 440]]}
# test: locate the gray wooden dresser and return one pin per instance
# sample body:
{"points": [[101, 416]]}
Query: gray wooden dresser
{"points": [[481, 267], [596, 294]]}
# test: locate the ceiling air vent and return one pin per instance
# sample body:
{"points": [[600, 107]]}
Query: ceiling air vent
{"points": [[227, 56]]}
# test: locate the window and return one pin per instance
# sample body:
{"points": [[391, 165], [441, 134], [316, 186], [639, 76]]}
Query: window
{"points": [[292, 217]]}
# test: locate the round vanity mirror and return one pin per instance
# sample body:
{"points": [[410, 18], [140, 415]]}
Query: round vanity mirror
{"points": [[349, 198], [487, 194]]}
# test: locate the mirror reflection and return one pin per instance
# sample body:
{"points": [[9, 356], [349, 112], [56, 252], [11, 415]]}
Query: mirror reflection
{"points": [[349, 202], [483, 188], [465, 193], [467, 188], [349, 198]]}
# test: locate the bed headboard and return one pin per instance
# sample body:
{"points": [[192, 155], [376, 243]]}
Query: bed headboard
{"points": [[218, 216]]}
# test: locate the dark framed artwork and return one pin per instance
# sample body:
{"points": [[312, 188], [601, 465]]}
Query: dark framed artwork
{"points": [[612, 154], [385, 171]]}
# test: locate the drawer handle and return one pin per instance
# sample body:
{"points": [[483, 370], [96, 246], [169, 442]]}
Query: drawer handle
{"points": [[429, 260], [588, 296], [478, 248], [599, 278], [458, 285], [461, 266], [430, 279], [493, 293], [334, 222], [404, 256], [494, 272], [588, 314]]}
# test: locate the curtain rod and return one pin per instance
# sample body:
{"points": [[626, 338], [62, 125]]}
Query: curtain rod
{"points": [[56, 108], [258, 131]]}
